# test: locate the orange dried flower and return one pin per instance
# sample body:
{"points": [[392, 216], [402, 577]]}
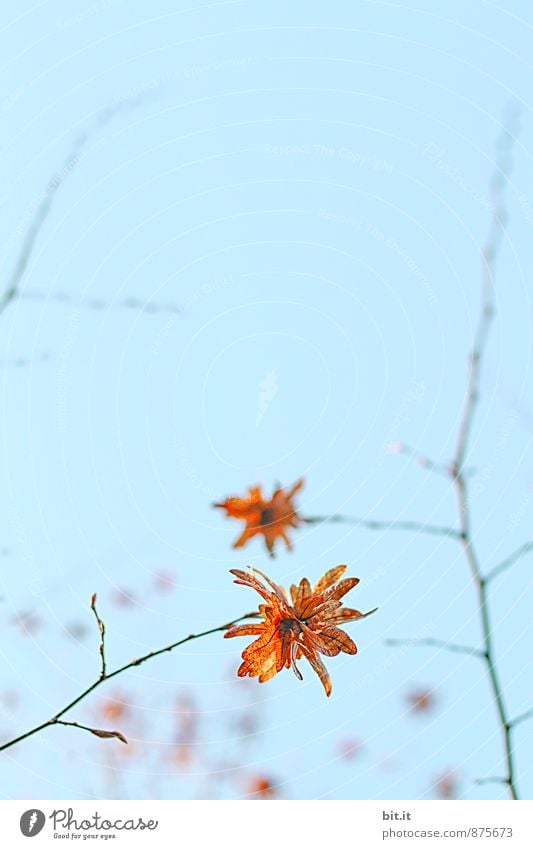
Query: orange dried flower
{"points": [[271, 518], [307, 627]]}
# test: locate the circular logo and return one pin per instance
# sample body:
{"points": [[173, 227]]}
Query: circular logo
{"points": [[32, 822]]}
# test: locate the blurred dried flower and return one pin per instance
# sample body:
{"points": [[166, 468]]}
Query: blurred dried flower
{"points": [[271, 518], [349, 747], [114, 707], [446, 785], [421, 700], [261, 787]]}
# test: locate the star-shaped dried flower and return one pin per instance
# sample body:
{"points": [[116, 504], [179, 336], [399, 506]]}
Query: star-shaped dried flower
{"points": [[305, 626], [269, 517]]}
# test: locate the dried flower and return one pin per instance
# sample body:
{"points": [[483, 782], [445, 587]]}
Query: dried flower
{"points": [[271, 518], [306, 628]]}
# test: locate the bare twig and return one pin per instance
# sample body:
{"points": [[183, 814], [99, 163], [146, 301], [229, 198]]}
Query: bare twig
{"points": [[509, 561], [441, 644], [384, 525], [101, 628], [55, 720]]}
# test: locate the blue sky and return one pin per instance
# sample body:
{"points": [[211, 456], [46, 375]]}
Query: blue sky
{"points": [[288, 195]]}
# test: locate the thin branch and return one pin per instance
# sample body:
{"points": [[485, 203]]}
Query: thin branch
{"points": [[55, 720], [522, 718], [456, 648], [384, 525], [509, 561], [101, 628], [490, 780]]}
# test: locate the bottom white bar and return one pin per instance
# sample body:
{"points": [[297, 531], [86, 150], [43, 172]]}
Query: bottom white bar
{"points": [[268, 824]]}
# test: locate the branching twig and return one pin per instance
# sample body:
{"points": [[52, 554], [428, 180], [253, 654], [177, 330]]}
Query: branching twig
{"points": [[56, 720], [457, 470], [384, 525], [490, 252]]}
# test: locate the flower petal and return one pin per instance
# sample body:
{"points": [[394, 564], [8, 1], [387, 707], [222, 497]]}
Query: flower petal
{"points": [[296, 487], [331, 641], [248, 579], [341, 589], [329, 578], [244, 630], [319, 668], [344, 614], [300, 594]]}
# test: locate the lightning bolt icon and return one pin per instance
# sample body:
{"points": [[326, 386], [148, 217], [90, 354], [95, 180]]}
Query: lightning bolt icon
{"points": [[33, 820]]}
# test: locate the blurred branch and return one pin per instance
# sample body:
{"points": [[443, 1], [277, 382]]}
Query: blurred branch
{"points": [[148, 307], [71, 161], [106, 676], [441, 644], [384, 525], [509, 561], [422, 460]]}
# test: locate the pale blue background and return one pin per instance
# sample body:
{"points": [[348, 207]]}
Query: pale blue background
{"points": [[266, 157]]}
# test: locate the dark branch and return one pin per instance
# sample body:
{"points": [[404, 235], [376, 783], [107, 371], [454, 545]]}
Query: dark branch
{"points": [[384, 525]]}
